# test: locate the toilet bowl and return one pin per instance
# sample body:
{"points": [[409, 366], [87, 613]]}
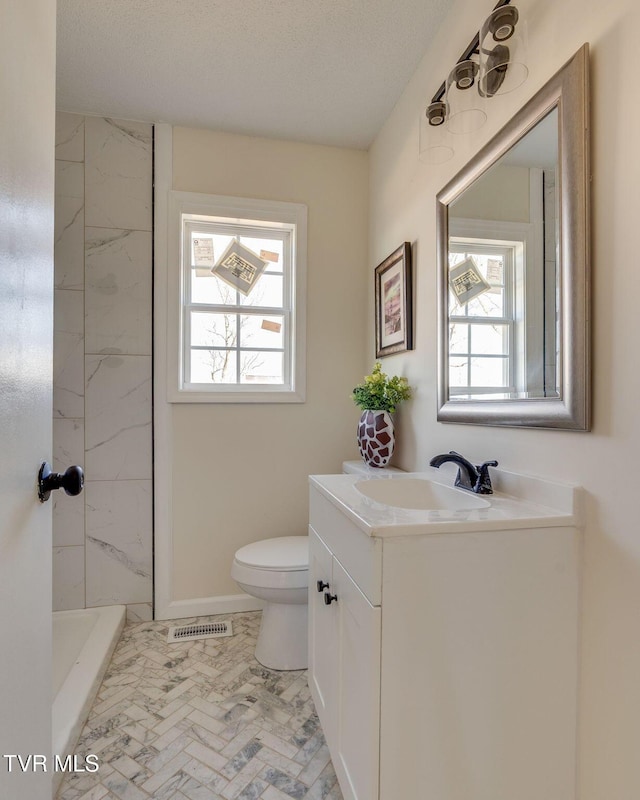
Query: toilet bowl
{"points": [[277, 572]]}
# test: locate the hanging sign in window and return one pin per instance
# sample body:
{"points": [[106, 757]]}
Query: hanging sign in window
{"points": [[203, 256], [466, 281], [269, 255], [240, 267]]}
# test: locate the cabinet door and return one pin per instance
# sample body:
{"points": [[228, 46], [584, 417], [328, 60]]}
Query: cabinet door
{"points": [[323, 649], [356, 756]]}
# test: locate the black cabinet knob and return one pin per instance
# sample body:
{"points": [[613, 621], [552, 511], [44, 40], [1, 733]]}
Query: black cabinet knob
{"points": [[329, 598], [72, 481], [322, 585]]}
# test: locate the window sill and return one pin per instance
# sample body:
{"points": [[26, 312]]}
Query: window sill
{"points": [[231, 396]]}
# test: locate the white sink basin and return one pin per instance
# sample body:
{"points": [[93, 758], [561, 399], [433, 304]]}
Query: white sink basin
{"points": [[419, 493]]}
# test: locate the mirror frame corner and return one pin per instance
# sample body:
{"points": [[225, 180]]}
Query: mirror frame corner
{"points": [[568, 91]]}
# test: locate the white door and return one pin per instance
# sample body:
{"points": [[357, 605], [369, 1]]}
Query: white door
{"points": [[27, 114]]}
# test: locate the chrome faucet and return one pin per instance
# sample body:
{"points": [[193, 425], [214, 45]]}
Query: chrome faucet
{"points": [[474, 479]]}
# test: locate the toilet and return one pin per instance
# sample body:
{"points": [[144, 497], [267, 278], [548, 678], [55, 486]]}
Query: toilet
{"points": [[277, 572]]}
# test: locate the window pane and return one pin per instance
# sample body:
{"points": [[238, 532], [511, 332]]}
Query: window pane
{"points": [[493, 339], [214, 330], [456, 258], [489, 304], [268, 291], [458, 372], [213, 366], [207, 288], [259, 331], [489, 372], [272, 251], [259, 368], [459, 338], [456, 310]]}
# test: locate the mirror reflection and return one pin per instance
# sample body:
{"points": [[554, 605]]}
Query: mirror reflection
{"points": [[504, 293]]}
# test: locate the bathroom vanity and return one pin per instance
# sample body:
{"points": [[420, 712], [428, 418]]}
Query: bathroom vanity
{"points": [[443, 635]]}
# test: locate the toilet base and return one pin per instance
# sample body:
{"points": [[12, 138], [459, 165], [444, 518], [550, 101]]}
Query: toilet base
{"points": [[282, 640]]}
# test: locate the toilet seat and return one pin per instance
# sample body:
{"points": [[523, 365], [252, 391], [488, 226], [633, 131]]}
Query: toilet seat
{"points": [[285, 554], [281, 563]]}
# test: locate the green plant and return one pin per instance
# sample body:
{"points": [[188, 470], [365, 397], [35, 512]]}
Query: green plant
{"points": [[379, 392]]}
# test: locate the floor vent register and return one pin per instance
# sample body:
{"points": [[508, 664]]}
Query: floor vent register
{"points": [[208, 630]]}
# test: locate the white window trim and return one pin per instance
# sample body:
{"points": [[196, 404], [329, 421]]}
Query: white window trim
{"points": [[510, 318], [236, 210], [501, 232]]}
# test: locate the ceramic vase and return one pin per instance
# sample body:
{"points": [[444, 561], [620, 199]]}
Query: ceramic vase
{"points": [[376, 438]]}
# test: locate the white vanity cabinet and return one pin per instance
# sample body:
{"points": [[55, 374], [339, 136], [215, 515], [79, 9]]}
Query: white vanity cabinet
{"points": [[446, 667]]}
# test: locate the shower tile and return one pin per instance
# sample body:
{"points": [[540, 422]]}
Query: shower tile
{"points": [[68, 512], [68, 520], [69, 242], [118, 161], [68, 578], [68, 443], [118, 417], [118, 291], [118, 542], [69, 179], [69, 136], [68, 354]]}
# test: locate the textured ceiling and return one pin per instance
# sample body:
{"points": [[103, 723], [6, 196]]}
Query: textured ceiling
{"points": [[326, 71]]}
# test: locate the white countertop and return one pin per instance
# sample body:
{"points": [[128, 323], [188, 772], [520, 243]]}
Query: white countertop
{"points": [[518, 502]]}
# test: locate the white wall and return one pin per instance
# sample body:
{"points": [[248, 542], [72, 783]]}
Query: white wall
{"points": [[502, 194], [240, 471], [605, 461]]}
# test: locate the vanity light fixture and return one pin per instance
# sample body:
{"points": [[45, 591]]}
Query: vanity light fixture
{"points": [[465, 108], [502, 52], [493, 63]]}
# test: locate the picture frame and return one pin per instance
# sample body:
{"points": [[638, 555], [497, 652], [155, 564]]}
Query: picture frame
{"points": [[394, 303]]}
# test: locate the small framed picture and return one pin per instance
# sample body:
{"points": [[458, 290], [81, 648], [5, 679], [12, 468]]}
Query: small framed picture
{"points": [[240, 267], [394, 303]]}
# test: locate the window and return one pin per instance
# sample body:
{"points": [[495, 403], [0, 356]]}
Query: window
{"points": [[241, 322], [485, 337]]}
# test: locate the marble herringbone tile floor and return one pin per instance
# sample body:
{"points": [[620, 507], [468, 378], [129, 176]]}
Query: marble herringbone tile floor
{"points": [[201, 720]]}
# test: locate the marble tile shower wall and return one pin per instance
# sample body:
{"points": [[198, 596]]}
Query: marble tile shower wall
{"points": [[102, 541]]}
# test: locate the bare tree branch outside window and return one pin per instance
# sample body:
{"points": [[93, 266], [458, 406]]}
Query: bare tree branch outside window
{"points": [[225, 336]]}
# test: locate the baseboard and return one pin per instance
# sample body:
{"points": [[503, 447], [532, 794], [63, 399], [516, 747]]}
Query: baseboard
{"points": [[204, 606]]}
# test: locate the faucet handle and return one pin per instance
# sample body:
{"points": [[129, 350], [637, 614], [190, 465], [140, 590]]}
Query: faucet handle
{"points": [[484, 479]]}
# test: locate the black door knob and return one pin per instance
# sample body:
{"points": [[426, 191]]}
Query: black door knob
{"points": [[329, 598], [72, 481], [322, 585]]}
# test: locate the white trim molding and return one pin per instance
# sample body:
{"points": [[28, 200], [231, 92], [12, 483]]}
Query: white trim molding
{"points": [[162, 423], [237, 211], [205, 606]]}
